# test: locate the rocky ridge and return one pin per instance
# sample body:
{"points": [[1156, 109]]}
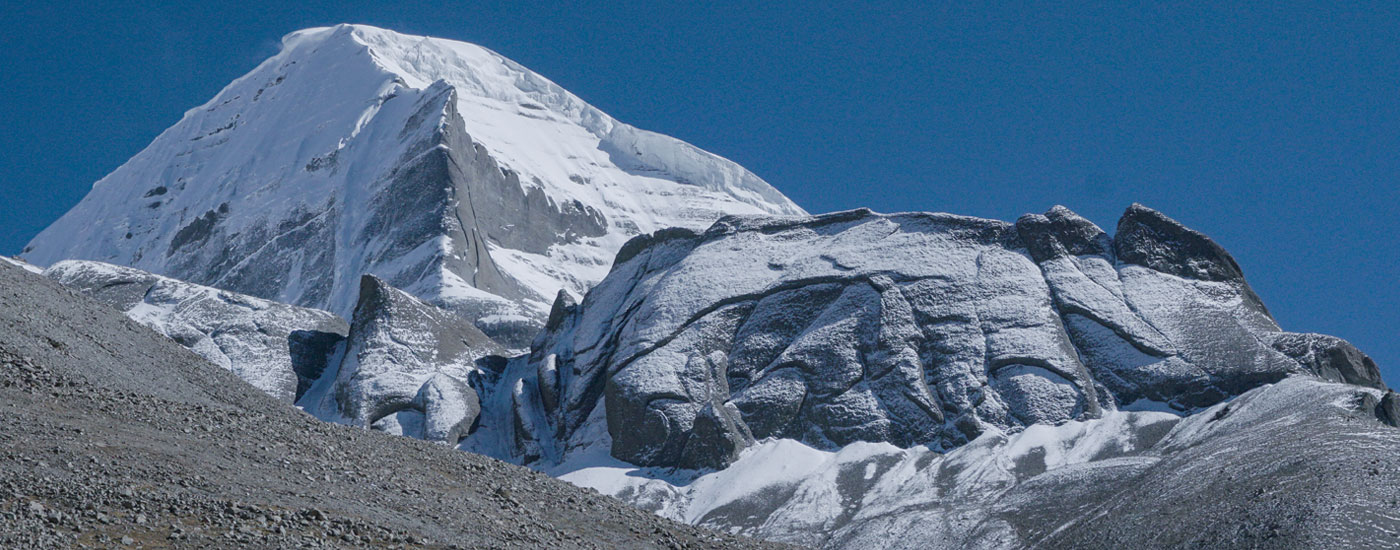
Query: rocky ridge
{"points": [[405, 369], [912, 329], [402, 366], [857, 379]]}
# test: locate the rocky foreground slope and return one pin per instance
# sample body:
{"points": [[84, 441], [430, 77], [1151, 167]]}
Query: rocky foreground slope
{"points": [[897, 381], [114, 436]]}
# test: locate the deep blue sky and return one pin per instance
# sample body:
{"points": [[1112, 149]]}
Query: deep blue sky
{"points": [[1276, 130]]}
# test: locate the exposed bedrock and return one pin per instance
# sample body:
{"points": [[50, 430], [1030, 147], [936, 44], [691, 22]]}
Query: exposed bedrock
{"points": [[406, 368], [1388, 409], [915, 329], [1330, 357]]}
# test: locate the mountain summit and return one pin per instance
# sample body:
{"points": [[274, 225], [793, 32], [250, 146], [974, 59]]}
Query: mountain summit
{"points": [[439, 166]]}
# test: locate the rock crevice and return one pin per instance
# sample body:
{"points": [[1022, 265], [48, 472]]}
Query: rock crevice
{"points": [[913, 329]]}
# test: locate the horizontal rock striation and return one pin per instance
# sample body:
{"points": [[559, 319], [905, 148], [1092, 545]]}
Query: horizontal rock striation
{"points": [[913, 329]]}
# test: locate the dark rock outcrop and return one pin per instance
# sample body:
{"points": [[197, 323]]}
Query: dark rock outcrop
{"points": [[912, 329], [1148, 238], [1060, 232], [406, 368], [1331, 358], [1388, 409]]}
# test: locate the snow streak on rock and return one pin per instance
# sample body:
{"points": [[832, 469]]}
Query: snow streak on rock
{"points": [[910, 329]]}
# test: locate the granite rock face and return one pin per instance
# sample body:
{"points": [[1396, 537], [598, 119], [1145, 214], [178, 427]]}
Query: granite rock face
{"points": [[910, 329], [1330, 357], [279, 349], [405, 368]]}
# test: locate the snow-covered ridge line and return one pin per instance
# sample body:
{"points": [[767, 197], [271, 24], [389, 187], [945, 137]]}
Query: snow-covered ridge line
{"points": [[439, 166], [518, 85], [279, 349], [22, 264]]}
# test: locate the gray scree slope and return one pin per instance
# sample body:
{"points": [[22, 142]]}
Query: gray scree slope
{"points": [[114, 434]]}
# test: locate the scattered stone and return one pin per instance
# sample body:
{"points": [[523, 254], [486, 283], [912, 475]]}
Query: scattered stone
{"points": [[130, 391]]}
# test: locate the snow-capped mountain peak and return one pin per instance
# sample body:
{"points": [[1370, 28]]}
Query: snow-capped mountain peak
{"points": [[490, 86], [440, 166]]}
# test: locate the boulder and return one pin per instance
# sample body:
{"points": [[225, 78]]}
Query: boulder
{"points": [[449, 407], [1330, 357], [405, 355], [1388, 410]]}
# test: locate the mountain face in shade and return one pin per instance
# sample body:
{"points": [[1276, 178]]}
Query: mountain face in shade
{"points": [[439, 166]]}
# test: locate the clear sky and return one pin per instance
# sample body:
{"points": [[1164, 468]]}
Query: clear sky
{"points": [[1275, 129]]}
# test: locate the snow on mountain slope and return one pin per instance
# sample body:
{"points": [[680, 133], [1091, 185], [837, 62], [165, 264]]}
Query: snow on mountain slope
{"points": [[440, 166], [402, 366], [916, 329], [784, 490], [1297, 464], [405, 368], [858, 380], [279, 349], [22, 264]]}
